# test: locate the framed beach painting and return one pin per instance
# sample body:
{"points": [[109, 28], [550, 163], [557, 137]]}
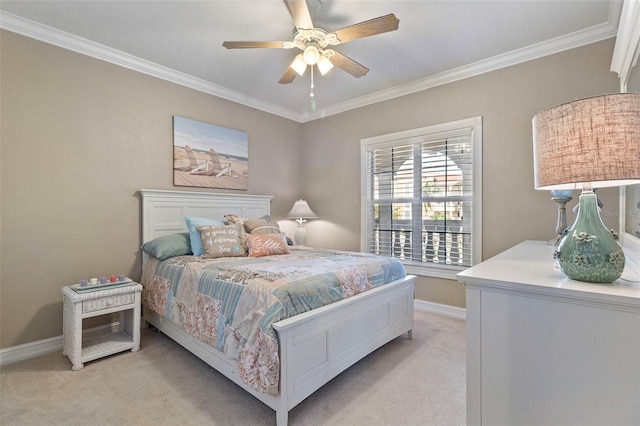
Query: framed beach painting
{"points": [[209, 156]]}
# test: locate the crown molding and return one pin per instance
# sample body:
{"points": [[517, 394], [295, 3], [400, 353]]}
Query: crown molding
{"points": [[556, 45], [37, 31], [50, 35], [627, 49]]}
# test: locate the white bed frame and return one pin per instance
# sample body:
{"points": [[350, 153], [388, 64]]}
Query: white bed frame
{"points": [[315, 346]]}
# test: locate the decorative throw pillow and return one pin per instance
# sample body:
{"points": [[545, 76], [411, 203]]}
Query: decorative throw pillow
{"points": [[234, 218], [267, 244], [192, 222], [221, 241], [264, 225], [238, 220], [168, 246]]}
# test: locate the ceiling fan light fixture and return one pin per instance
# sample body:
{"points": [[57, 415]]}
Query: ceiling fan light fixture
{"points": [[315, 43], [324, 65], [299, 65], [311, 54]]}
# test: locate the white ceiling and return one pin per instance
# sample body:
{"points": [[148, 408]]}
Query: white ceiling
{"points": [[437, 42]]}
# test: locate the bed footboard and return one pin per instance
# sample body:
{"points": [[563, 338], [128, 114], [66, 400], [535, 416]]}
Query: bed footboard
{"points": [[318, 345]]}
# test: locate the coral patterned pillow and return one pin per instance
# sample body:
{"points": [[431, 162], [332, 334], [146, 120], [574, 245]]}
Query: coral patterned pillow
{"points": [[267, 244]]}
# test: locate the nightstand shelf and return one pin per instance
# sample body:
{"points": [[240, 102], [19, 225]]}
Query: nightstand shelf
{"points": [[109, 343], [125, 300]]}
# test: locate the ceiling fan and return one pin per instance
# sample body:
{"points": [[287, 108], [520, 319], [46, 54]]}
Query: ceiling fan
{"points": [[315, 43]]}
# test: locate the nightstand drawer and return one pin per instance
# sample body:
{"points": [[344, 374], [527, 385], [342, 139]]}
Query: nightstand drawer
{"points": [[107, 302]]}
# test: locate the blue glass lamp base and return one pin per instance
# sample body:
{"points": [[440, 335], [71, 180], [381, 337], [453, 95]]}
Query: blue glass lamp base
{"points": [[589, 251]]}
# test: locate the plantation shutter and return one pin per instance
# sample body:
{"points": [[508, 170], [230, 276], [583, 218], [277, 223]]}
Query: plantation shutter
{"points": [[418, 199]]}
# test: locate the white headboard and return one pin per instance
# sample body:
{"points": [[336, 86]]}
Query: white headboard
{"points": [[163, 212]]}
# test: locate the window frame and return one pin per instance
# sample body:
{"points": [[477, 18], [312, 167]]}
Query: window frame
{"points": [[437, 131]]}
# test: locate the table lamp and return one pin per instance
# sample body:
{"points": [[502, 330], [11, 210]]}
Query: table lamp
{"points": [[561, 197], [300, 212], [586, 144]]}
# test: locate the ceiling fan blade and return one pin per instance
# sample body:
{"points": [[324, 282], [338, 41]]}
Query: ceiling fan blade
{"points": [[300, 13], [253, 44], [288, 76], [348, 65], [368, 28]]}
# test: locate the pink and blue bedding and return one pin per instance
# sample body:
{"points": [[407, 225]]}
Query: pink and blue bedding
{"points": [[231, 303]]}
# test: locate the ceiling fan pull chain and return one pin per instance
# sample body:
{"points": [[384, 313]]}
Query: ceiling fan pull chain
{"points": [[312, 85]]}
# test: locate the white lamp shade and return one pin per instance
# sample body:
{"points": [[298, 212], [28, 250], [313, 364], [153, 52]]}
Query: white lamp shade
{"points": [[311, 55], [301, 210], [299, 65], [324, 65]]}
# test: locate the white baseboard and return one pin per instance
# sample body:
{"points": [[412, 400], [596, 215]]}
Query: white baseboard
{"points": [[46, 346], [437, 308], [30, 350], [54, 344]]}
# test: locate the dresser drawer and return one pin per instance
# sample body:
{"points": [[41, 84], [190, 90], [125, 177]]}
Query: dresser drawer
{"points": [[107, 302]]}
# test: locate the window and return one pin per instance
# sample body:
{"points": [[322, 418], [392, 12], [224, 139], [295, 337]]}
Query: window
{"points": [[421, 197]]}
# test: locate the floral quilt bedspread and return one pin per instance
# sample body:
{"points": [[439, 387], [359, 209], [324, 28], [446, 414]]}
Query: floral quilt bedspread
{"points": [[231, 303]]}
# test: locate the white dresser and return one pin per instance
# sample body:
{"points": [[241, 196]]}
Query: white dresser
{"points": [[546, 350]]}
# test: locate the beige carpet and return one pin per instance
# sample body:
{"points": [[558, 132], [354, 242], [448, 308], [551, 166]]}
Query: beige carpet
{"points": [[406, 382]]}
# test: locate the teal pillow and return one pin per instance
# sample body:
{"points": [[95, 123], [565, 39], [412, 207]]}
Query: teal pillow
{"points": [[194, 234], [168, 246]]}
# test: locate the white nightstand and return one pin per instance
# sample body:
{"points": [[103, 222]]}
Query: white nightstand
{"points": [[78, 305]]}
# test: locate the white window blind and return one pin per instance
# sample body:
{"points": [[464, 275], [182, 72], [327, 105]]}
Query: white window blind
{"points": [[420, 197]]}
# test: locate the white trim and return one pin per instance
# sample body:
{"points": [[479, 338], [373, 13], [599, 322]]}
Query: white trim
{"points": [[440, 309], [625, 57], [30, 350], [447, 272], [37, 31], [627, 48], [559, 44], [46, 34], [46, 346], [54, 344]]}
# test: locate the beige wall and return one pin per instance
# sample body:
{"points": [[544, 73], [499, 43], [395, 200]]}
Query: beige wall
{"points": [[80, 136], [507, 100]]}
